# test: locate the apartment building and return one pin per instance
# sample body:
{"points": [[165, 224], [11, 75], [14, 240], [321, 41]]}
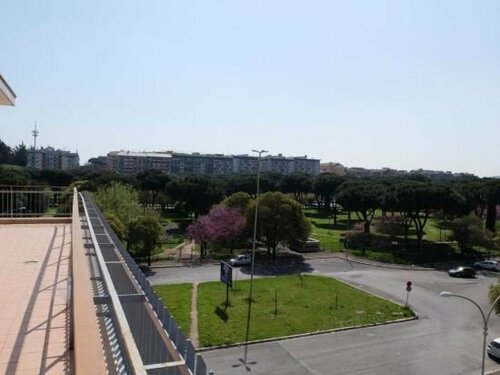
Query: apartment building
{"points": [[195, 163], [211, 164], [134, 162], [50, 158]]}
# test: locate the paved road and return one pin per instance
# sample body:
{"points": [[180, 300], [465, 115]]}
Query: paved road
{"points": [[210, 272], [446, 339]]}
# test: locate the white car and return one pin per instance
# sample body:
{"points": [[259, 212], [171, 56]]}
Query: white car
{"points": [[241, 260], [494, 348], [488, 265]]}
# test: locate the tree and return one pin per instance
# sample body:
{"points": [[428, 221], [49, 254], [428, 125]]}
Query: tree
{"points": [[468, 232], [269, 181], [475, 197], [13, 175], [492, 189], [364, 198], [280, 220], [418, 200], [20, 155], [226, 225], [238, 200], [116, 224], [5, 153], [297, 184], [221, 226], [241, 183], [56, 177], [119, 199], [144, 234], [153, 181], [199, 232], [324, 187], [195, 194], [101, 179]]}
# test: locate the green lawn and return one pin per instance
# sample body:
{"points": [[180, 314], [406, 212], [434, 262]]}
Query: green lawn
{"points": [[176, 220], [436, 231], [178, 300], [320, 303], [323, 229]]}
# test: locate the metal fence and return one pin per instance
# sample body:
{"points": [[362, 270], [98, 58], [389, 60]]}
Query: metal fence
{"points": [[35, 201], [156, 359]]}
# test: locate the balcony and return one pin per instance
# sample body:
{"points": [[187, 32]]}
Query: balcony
{"points": [[73, 299]]}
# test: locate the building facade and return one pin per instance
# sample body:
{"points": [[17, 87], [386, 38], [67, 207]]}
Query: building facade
{"points": [[210, 164], [134, 162], [50, 158], [335, 168]]}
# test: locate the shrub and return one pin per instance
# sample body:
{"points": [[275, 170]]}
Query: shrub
{"points": [[391, 225], [356, 237], [493, 293], [468, 232], [116, 224]]}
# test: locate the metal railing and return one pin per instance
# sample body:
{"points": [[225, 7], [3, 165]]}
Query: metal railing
{"points": [[154, 343], [35, 201]]}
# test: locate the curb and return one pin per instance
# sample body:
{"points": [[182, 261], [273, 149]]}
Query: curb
{"points": [[326, 255], [167, 266], [300, 335], [388, 266]]}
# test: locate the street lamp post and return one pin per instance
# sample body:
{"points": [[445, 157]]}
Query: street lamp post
{"points": [[254, 239], [486, 318]]}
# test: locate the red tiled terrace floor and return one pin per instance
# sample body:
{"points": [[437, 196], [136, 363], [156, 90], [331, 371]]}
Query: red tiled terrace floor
{"points": [[34, 319]]}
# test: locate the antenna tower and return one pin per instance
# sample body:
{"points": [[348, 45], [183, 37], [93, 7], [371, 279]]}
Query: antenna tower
{"points": [[35, 135]]}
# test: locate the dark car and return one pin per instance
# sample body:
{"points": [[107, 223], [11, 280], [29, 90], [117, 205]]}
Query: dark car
{"points": [[462, 272]]}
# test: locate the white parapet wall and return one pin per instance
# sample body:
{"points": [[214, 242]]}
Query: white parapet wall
{"points": [[7, 95]]}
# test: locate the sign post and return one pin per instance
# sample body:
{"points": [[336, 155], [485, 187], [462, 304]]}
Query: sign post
{"points": [[226, 276], [408, 290]]}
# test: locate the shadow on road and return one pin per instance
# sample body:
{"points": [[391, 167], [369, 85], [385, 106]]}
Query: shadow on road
{"points": [[285, 264]]}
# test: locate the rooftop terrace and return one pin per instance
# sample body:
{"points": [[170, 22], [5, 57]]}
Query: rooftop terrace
{"points": [[34, 268], [74, 301]]}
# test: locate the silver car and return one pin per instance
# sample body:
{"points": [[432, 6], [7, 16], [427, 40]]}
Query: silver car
{"points": [[494, 348], [488, 265], [241, 260]]}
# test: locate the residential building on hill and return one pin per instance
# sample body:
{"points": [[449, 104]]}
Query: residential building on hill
{"points": [[211, 164], [50, 158], [335, 168]]}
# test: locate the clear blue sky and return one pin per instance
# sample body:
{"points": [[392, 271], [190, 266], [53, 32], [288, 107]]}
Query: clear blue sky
{"points": [[402, 84]]}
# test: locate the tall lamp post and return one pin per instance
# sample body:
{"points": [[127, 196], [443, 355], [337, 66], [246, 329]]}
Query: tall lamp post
{"points": [[486, 318], [254, 239]]}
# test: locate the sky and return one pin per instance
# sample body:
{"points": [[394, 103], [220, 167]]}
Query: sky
{"points": [[400, 84]]}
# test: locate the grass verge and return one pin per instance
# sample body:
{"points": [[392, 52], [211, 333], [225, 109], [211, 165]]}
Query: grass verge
{"points": [[178, 300], [307, 304]]}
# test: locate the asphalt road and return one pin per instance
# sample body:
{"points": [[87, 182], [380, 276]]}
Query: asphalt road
{"points": [[446, 339]]}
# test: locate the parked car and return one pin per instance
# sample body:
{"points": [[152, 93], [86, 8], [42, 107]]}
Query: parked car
{"points": [[488, 265], [494, 348], [241, 260], [462, 272]]}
